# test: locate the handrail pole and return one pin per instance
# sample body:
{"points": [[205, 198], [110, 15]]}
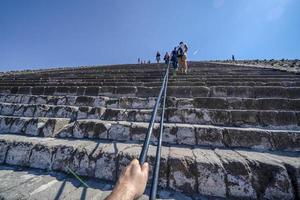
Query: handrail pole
{"points": [[154, 183], [145, 148]]}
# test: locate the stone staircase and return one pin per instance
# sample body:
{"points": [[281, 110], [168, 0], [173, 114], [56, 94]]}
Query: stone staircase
{"points": [[230, 131]]}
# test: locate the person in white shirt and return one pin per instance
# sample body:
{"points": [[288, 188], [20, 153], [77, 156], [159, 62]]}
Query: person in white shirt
{"points": [[182, 57]]}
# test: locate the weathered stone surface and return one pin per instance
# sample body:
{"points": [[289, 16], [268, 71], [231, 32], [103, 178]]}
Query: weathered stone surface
{"points": [[182, 170], [270, 178], [3, 150], [119, 131], [209, 136], [41, 157], [106, 156], [252, 138], [18, 153], [238, 175], [210, 173], [186, 135]]}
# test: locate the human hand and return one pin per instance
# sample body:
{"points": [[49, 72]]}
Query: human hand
{"points": [[132, 182]]}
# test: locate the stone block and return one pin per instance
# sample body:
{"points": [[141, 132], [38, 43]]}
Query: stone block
{"points": [[37, 90], [186, 134], [209, 136], [184, 103], [285, 140], [210, 103], [92, 91], [8, 109], [33, 126], [29, 111], [3, 149], [238, 175], [41, 157], [84, 101], [145, 116], [253, 138], [80, 91], [175, 91], [120, 131], [278, 118], [63, 157], [50, 90], [147, 91], [18, 153], [125, 90], [5, 124], [210, 173], [267, 92], [24, 90], [199, 91], [269, 177], [169, 134], [106, 162], [219, 117], [18, 125], [244, 118], [183, 171], [62, 90], [138, 131]]}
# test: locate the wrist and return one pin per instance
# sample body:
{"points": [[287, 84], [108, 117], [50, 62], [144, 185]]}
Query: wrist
{"points": [[125, 192]]}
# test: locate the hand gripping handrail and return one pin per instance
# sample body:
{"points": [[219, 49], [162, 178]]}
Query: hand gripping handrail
{"points": [[143, 155]]}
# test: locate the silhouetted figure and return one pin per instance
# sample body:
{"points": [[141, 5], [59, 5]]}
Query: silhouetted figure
{"points": [[174, 60], [149, 62], [158, 57], [182, 57], [139, 61], [167, 58], [233, 59]]}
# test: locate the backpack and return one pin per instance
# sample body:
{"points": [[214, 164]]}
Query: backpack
{"points": [[180, 52]]}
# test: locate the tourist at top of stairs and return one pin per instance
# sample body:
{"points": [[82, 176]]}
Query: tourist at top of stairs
{"points": [[182, 57], [157, 57], [167, 58]]}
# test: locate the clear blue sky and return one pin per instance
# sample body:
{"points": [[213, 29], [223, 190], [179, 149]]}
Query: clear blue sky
{"points": [[49, 33]]}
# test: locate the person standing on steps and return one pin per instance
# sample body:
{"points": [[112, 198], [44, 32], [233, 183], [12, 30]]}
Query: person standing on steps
{"points": [[167, 58], [182, 57], [174, 61], [157, 57]]}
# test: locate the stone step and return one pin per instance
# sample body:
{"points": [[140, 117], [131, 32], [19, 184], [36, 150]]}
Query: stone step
{"points": [[195, 91], [178, 79], [229, 103], [238, 118], [181, 134], [225, 173], [33, 126], [153, 80], [154, 84], [35, 184]]}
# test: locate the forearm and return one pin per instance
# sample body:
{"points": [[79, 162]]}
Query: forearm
{"points": [[121, 193]]}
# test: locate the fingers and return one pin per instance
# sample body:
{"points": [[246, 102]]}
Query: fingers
{"points": [[135, 164], [145, 168]]}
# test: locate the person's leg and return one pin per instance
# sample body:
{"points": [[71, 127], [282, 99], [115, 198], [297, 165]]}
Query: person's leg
{"points": [[179, 65], [185, 64]]}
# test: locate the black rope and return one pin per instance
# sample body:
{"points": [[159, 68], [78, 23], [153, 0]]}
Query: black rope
{"points": [[158, 148], [145, 148]]}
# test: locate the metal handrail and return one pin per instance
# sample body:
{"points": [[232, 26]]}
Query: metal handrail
{"points": [[145, 148], [154, 183]]}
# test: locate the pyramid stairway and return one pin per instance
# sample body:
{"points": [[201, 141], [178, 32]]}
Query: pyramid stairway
{"points": [[230, 131]]}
